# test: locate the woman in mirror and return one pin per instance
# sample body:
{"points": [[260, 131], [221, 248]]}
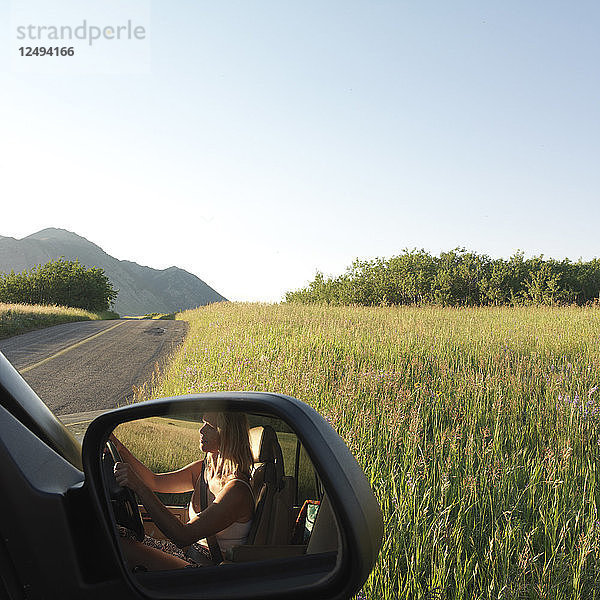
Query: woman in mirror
{"points": [[228, 516]]}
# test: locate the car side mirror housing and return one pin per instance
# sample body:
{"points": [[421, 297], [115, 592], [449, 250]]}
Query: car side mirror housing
{"points": [[348, 529]]}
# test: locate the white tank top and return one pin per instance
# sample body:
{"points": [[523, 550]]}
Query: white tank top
{"points": [[233, 535]]}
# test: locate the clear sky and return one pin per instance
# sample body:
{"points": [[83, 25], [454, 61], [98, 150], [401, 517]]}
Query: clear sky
{"points": [[271, 139]]}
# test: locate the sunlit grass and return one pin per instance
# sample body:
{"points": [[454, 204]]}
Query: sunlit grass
{"points": [[19, 318], [477, 428], [161, 444]]}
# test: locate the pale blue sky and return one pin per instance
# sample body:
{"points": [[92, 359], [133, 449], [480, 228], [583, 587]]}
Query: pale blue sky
{"points": [[271, 139]]}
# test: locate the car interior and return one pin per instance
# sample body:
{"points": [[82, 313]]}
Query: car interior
{"points": [[293, 516]]}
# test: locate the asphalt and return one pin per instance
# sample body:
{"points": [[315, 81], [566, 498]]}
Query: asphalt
{"points": [[92, 365]]}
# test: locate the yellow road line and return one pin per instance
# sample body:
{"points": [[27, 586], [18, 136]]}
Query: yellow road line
{"points": [[65, 350], [78, 423]]}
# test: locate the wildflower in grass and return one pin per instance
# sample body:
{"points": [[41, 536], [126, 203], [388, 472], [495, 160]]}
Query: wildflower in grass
{"points": [[441, 441], [581, 545], [524, 558], [592, 390], [332, 417], [470, 446], [415, 426], [445, 482], [420, 468], [495, 471], [470, 483], [499, 405], [549, 462]]}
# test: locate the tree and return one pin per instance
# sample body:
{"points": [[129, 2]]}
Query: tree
{"points": [[62, 282], [456, 278]]}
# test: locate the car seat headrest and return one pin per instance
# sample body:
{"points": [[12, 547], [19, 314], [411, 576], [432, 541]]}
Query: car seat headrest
{"points": [[263, 441]]}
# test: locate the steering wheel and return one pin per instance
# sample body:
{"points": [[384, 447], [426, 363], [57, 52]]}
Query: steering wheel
{"points": [[124, 504]]}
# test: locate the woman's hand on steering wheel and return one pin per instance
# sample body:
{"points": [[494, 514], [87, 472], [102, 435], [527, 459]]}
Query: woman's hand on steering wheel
{"points": [[123, 500], [127, 477]]}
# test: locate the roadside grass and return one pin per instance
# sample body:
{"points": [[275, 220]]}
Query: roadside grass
{"points": [[162, 444], [20, 318], [478, 429]]}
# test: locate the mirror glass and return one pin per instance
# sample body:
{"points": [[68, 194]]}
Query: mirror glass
{"points": [[201, 493]]}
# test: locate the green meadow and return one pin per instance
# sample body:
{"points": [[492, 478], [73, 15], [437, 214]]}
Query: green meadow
{"points": [[20, 318], [477, 428]]}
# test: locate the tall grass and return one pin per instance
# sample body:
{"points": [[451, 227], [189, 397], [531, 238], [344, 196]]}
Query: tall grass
{"points": [[162, 445], [19, 318], [477, 428]]}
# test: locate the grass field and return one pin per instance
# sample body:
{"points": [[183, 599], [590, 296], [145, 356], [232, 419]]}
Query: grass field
{"points": [[477, 428], [19, 318]]}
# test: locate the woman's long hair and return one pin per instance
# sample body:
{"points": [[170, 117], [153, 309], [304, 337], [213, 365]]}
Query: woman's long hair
{"points": [[235, 457]]}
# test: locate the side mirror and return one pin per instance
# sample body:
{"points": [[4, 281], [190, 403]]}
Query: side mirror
{"points": [[332, 528]]}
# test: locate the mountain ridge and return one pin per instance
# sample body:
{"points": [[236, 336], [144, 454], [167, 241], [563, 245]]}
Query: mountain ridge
{"points": [[142, 289]]}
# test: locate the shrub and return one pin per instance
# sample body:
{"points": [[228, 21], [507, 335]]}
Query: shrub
{"points": [[456, 278], [61, 282]]}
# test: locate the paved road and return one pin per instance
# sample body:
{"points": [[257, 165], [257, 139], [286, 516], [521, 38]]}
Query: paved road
{"points": [[92, 365]]}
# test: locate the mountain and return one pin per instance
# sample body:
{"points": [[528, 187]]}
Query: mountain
{"points": [[141, 289]]}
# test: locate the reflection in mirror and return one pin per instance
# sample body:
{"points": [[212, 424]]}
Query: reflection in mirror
{"points": [[216, 489]]}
